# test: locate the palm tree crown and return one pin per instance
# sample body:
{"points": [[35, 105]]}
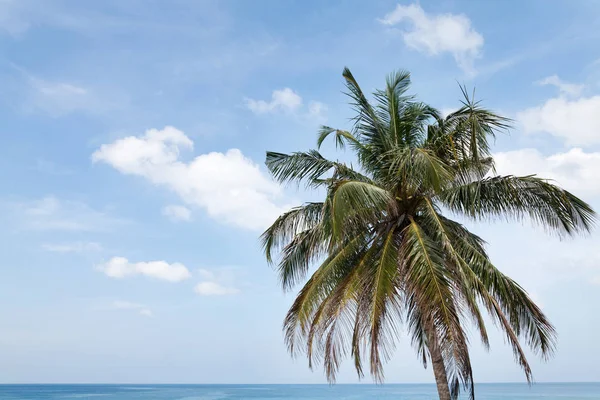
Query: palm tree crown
{"points": [[388, 258]]}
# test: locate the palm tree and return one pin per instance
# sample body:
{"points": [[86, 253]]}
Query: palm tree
{"points": [[388, 256]]}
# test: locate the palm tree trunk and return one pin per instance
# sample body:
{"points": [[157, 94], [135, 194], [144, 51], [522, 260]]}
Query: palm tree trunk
{"points": [[439, 369]]}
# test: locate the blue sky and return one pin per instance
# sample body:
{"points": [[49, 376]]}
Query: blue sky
{"points": [[133, 188]]}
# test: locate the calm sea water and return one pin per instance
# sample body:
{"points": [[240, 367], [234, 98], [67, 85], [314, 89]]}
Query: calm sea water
{"points": [[544, 391]]}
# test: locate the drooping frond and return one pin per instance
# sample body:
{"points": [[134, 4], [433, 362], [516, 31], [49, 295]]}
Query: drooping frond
{"points": [[338, 317], [304, 249], [431, 285], [506, 301], [381, 293], [330, 273], [341, 137], [438, 228], [518, 197], [289, 224]]}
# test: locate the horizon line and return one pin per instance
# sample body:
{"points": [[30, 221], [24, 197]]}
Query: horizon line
{"points": [[288, 384]]}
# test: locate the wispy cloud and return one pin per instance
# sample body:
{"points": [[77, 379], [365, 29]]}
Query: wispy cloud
{"points": [[126, 305], [12, 20], [50, 167], [59, 98], [74, 247], [63, 95], [317, 111], [570, 89], [53, 214], [19, 16], [177, 213]]}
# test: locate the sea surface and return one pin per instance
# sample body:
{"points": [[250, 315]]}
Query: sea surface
{"points": [[541, 391]]}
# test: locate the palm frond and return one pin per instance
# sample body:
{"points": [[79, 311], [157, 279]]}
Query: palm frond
{"points": [[341, 137], [518, 197], [304, 249], [465, 134], [506, 301], [337, 317], [392, 102], [366, 122], [289, 224], [472, 126], [381, 288], [297, 167], [330, 273], [436, 226]]}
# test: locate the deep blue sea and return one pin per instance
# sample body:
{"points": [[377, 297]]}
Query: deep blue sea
{"points": [[541, 391]]}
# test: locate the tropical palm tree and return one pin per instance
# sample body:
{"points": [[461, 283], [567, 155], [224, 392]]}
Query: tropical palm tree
{"points": [[387, 254]]}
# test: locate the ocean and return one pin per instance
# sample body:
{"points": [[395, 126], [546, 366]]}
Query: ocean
{"points": [[541, 391]]}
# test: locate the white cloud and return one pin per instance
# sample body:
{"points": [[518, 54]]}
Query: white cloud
{"points": [[435, 34], [564, 87], [126, 305], [288, 101], [59, 89], [75, 247], [577, 121], [576, 170], [230, 187], [59, 98], [216, 283], [281, 100], [569, 116], [120, 267], [177, 213], [445, 111], [317, 111], [53, 214], [214, 289], [146, 312]]}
